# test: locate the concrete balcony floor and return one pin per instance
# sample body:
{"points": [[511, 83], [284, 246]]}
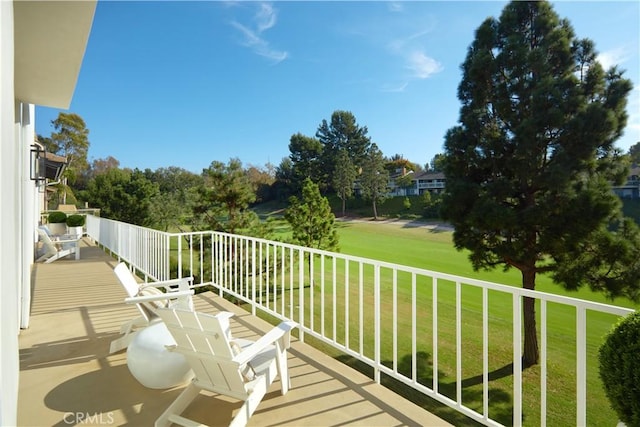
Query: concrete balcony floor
{"points": [[67, 376]]}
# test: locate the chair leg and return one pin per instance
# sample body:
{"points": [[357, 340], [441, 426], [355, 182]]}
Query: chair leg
{"points": [[138, 322], [283, 372], [122, 342], [179, 405], [249, 406]]}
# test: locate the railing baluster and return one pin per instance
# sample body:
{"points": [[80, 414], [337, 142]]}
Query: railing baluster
{"points": [[322, 294], [301, 293], [543, 363], [517, 359], [376, 323], [346, 304], [414, 330], [485, 354], [458, 344], [434, 334], [361, 308], [581, 366], [394, 308], [335, 307]]}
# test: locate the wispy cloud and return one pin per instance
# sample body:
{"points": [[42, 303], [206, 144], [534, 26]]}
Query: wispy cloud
{"points": [[395, 6], [422, 66], [613, 57], [252, 34], [408, 43], [266, 17], [395, 88]]}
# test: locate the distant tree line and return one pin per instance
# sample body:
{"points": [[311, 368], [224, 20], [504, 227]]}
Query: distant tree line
{"points": [[339, 159]]}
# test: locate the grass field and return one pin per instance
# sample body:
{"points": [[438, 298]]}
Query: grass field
{"points": [[421, 247]]}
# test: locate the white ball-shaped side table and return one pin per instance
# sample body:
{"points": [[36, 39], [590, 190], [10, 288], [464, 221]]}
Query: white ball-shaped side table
{"points": [[152, 364]]}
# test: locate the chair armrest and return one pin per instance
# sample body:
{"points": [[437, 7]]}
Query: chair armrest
{"points": [[146, 298], [168, 283], [65, 240], [266, 340]]}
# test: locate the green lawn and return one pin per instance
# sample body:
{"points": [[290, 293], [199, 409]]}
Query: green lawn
{"points": [[433, 250]]}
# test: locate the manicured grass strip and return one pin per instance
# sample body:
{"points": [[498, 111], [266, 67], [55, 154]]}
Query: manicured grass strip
{"points": [[434, 251]]}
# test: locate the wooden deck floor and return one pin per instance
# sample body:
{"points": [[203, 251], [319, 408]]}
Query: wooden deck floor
{"points": [[67, 376]]}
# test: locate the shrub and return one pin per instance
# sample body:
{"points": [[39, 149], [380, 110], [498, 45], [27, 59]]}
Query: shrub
{"points": [[57, 217], [619, 359], [75, 220], [406, 203]]}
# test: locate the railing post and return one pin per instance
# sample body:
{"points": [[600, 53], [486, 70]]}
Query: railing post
{"points": [[517, 359], [543, 363], [376, 322], [458, 344], [301, 293], [434, 334], [179, 256], [253, 277], [581, 366], [485, 354]]}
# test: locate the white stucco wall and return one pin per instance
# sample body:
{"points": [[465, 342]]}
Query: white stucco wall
{"points": [[9, 224]]}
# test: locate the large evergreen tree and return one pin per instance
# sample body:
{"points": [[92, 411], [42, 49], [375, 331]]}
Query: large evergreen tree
{"points": [[374, 179], [305, 154], [530, 165], [343, 178], [342, 132]]}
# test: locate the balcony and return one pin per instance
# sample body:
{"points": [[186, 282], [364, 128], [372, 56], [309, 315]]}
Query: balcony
{"points": [[67, 376], [429, 334]]}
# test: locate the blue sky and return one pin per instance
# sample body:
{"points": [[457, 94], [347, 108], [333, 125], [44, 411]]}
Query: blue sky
{"points": [[185, 83]]}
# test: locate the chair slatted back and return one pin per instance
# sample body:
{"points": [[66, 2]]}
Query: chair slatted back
{"points": [[50, 248], [132, 287], [205, 341]]}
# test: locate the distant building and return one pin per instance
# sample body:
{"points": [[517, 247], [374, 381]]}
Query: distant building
{"points": [[631, 188], [433, 182]]}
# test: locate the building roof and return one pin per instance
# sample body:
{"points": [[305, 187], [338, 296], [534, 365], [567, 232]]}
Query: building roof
{"points": [[429, 175], [50, 39]]}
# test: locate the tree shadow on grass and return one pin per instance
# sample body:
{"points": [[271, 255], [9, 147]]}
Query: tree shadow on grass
{"points": [[501, 405]]}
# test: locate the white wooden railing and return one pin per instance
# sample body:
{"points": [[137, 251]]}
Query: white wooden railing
{"points": [[387, 316]]}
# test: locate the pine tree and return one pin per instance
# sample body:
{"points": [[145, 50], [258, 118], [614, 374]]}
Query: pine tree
{"points": [[529, 167], [311, 219], [224, 200], [374, 179], [343, 178]]}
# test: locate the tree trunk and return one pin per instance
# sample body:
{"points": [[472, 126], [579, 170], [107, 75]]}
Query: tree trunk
{"points": [[375, 210], [344, 203], [531, 354]]}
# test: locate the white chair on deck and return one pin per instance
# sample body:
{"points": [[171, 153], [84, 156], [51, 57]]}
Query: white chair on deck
{"points": [[148, 297], [236, 368], [56, 247]]}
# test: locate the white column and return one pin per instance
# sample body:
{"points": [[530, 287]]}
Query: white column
{"points": [[30, 214], [9, 249]]}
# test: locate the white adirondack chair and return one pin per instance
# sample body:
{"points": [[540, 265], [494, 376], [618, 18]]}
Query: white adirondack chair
{"points": [[56, 247], [239, 369], [148, 298]]}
